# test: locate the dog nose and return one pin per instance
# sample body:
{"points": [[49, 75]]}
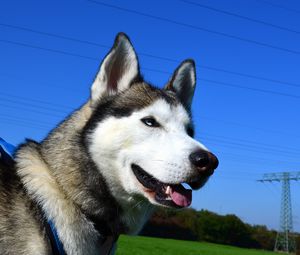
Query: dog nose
{"points": [[204, 161]]}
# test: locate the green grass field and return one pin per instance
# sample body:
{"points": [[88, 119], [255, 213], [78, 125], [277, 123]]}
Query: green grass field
{"points": [[155, 246]]}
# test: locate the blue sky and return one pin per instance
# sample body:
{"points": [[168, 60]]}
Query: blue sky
{"points": [[247, 103]]}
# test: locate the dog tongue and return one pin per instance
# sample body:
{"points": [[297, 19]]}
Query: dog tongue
{"points": [[180, 195]]}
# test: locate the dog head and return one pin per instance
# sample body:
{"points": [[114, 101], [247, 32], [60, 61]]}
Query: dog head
{"points": [[141, 137]]}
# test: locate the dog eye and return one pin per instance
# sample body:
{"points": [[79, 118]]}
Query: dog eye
{"points": [[150, 122]]}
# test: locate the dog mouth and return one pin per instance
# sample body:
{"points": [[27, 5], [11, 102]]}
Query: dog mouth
{"points": [[171, 195]]}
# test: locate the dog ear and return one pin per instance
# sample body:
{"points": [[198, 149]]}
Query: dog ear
{"points": [[183, 82], [117, 71]]}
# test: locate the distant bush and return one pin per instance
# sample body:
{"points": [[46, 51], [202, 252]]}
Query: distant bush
{"points": [[171, 224], [208, 226], [298, 244], [228, 229]]}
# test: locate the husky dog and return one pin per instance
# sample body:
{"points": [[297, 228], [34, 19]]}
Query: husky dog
{"points": [[103, 170]]}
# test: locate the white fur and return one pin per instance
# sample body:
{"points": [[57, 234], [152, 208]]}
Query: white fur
{"points": [[163, 152]]}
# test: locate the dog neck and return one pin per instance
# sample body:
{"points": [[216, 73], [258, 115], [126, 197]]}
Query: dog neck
{"points": [[72, 192], [99, 196], [82, 217], [44, 190]]}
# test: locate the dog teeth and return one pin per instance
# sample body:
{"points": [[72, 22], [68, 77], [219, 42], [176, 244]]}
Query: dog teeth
{"points": [[168, 190]]}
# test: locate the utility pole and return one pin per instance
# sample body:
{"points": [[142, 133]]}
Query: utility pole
{"points": [[285, 240]]}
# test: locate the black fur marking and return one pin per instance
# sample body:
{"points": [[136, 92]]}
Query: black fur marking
{"points": [[190, 130], [125, 103]]}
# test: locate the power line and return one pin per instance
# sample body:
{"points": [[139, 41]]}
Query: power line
{"points": [[264, 130], [273, 156], [228, 141], [43, 83], [32, 105], [249, 158], [196, 117], [21, 107], [45, 124], [54, 35], [168, 59], [59, 106], [278, 6], [48, 125], [32, 124], [150, 69], [251, 76], [250, 88], [48, 49], [249, 146], [38, 104], [240, 16], [202, 117], [237, 173], [41, 48], [229, 178], [17, 124], [249, 142], [253, 159], [196, 27], [233, 85], [234, 179]]}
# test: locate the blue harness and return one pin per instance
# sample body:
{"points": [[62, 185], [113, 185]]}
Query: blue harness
{"points": [[6, 155]]}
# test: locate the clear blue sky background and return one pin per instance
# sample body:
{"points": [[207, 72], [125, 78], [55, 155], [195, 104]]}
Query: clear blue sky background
{"points": [[247, 101]]}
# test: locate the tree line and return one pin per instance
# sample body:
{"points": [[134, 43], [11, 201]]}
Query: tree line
{"points": [[207, 226]]}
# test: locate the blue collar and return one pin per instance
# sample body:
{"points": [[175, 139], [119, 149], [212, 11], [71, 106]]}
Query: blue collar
{"points": [[6, 155], [56, 245]]}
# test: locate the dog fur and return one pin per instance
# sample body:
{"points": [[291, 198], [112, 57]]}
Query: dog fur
{"points": [[80, 176]]}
